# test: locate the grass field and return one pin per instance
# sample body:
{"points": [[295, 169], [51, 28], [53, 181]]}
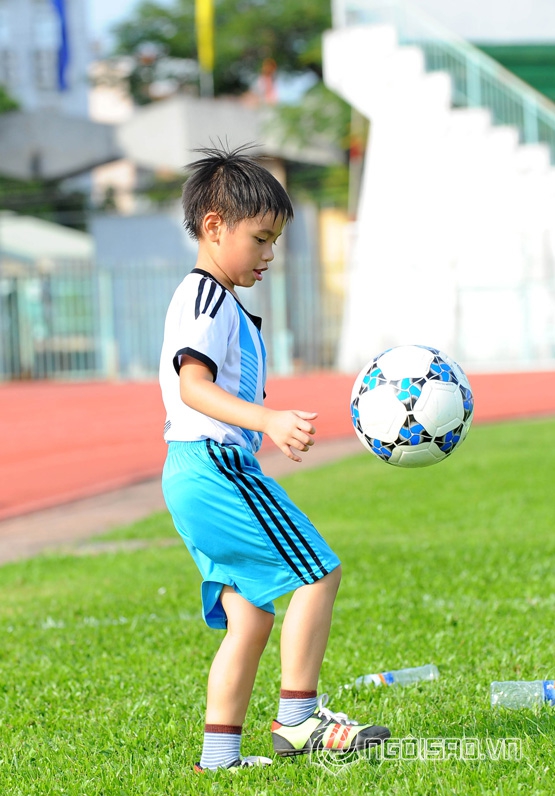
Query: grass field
{"points": [[104, 657]]}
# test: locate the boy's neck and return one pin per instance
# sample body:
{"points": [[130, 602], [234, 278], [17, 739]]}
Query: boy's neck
{"points": [[209, 266]]}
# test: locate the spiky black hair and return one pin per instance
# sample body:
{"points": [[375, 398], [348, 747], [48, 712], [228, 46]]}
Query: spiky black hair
{"points": [[234, 185]]}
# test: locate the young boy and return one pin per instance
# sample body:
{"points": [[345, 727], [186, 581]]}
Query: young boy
{"points": [[249, 541]]}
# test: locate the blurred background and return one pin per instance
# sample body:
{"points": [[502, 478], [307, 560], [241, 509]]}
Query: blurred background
{"points": [[417, 143]]}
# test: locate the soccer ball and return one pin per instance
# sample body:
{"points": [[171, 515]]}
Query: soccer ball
{"points": [[411, 406]]}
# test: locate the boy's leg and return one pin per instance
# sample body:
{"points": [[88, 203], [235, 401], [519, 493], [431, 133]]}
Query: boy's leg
{"points": [[304, 638], [303, 724], [305, 633], [231, 678], [234, 667]]}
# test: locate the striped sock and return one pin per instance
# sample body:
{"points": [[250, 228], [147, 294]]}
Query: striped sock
{"points": [[222, 743], [295, 706]]}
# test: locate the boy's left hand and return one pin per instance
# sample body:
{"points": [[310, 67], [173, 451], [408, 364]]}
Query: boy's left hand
{"points": [[291, 430]]}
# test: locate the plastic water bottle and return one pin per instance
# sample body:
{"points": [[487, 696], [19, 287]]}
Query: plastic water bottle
{"points": [[398, 676], [523, 694]]}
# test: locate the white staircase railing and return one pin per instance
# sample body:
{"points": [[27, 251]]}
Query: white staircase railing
{"points": [[454, 239], [477, 80]]}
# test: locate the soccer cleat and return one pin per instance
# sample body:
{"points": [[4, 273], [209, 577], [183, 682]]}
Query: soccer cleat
{"points": [[325, 730], [242, 762]]}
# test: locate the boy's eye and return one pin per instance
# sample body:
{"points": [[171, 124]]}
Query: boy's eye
{"points": [[261, 240]]}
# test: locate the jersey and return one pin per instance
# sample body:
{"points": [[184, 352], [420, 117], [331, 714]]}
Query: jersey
{"points": [[206, 321]]}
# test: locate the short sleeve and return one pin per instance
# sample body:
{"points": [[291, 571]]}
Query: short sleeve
{"points": [[204, 324]]}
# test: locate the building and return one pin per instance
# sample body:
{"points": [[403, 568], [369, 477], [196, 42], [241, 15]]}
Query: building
{"points": [[44, 55]]}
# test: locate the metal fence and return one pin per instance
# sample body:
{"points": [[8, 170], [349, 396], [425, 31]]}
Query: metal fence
{"points": [[80, 321]]}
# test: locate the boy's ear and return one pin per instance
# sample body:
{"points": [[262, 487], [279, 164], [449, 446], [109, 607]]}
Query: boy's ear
{"points": [[212, 224]]}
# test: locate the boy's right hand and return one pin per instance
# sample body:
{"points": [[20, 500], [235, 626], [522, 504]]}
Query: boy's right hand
{"points": [[291, 430]]}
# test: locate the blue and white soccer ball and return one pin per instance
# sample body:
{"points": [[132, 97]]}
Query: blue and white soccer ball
{"points": [[412, 406]]}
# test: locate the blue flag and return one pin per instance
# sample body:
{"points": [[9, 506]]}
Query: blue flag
{"points": [[63, 49]]}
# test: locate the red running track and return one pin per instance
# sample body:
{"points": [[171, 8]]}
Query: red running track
{"points": [[64, 441]]}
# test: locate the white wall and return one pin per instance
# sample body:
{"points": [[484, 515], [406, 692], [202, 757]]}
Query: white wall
{"points": [[454, 239], [495, 20], [479, 20]]}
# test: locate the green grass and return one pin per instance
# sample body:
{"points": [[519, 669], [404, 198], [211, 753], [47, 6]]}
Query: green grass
{"points": [[104, 658]]}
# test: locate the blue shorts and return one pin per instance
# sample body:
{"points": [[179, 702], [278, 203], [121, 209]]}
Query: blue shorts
{"points": [[240, 526]]}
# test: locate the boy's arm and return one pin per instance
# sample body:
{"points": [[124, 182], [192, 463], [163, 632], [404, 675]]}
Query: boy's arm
{"points": [[290, 429]]}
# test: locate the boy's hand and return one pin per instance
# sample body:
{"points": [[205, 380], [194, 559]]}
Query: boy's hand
{"points": [[291, 430]]}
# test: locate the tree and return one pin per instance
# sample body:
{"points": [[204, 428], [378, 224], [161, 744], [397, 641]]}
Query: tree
{"points": [[246, 33]]}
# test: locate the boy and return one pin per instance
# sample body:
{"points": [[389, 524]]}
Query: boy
{"points": [[249, 541]]}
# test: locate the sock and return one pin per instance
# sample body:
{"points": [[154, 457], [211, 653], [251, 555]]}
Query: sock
{"points": [[222, 743], [295, 706]]}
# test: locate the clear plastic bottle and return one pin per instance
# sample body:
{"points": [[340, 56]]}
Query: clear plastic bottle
{"points": [[517, 694], [398, 676]]}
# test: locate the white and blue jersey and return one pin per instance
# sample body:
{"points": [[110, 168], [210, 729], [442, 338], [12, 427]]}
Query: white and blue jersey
{"points": [[205, 321], [239, 525]]}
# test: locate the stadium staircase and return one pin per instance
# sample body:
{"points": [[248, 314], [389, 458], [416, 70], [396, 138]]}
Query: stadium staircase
{"points": [[457, 196]]}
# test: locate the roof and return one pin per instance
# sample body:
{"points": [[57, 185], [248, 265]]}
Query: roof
{"points": [[164, 134], [50, 145], [30, 239]]}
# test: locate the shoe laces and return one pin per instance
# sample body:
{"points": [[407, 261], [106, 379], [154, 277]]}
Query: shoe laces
{"points": [[326, 713], [253, 760]]}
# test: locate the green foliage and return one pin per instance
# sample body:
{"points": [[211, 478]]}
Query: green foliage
{"points": [[328, 186], [44, 199], [7, 103], [104, 657], [161, 190], [322, 116]]}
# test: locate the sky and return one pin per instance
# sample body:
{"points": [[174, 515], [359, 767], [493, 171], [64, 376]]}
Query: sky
{"points": [[528, 19], [102, 14]]}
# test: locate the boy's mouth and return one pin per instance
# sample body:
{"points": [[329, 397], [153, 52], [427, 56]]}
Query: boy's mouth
{"points": [[258, 274]]}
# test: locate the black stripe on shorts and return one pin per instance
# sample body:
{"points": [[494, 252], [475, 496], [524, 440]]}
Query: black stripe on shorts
{"points": [[251, 488], [271, 499]]}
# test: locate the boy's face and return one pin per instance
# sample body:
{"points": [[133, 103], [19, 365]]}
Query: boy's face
{"points": [[241, 255]]}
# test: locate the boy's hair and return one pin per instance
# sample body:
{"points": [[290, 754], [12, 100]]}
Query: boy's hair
{"points": [[233, 185]]}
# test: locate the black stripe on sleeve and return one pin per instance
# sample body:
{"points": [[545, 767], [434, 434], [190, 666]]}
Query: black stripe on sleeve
{"points": [[213, 286], [199, 296], [209, 297], [210, 364], [218, 304]]}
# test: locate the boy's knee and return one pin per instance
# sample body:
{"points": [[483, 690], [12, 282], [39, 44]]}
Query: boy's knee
{"points": [[256, 624], [260, 629], [335, 577]]}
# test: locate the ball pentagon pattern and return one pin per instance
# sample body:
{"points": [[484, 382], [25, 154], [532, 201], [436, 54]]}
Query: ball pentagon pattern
{"points": [[412, 406]]}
